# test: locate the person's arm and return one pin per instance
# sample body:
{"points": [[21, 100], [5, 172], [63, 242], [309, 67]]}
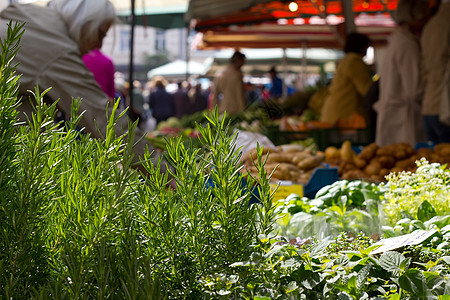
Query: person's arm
{"points": [[69, 78]]}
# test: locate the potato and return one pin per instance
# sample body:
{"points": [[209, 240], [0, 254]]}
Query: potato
{"points": [[386, 161], [385, 151], [360, 163], [400, 153], [368, 152], [294, 175], [396, 170], [276, 158], [332, 153], [409, 149], [372, 168], [442, 146], [443, 149], [346, 166], [251, 154], [251, 169], [289, 156], [346, 151], [384, 172], [310, 162], [403, 164], [354, 174], [286, 170], [376, 177], [278, 174], [424, 152], [404, 150], [435, 157], [270, 167], [305, 176], [299, 157]]}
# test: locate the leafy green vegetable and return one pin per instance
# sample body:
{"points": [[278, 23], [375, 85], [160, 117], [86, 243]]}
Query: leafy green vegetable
{"points": [[424, 193], [425, 211]]}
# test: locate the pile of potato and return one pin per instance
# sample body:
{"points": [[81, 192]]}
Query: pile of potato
{"points": [[375, 162], [290, 162]]}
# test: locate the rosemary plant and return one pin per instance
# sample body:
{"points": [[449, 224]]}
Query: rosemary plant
{"points": [[78, 221]]}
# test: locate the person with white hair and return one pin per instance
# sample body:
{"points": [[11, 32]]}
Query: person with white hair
{"points": [[401, 89], [51, 49], [56, 37]]}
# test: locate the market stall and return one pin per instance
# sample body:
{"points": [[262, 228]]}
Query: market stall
{"points": [[259, 61], [178, 70], [80, 220], [328, 13]]}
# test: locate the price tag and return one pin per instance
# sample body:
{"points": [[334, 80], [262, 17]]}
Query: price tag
{"points": [[284, 189]]}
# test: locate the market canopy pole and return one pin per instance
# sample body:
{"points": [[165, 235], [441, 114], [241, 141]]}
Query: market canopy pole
{"points": [[131, 66], [304, 63], [349, 16], [188, 52], [285, 72]]}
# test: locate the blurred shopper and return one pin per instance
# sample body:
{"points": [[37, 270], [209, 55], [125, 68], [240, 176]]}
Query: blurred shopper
{"points": [[181, 100], [103, 69], [398, 109], [229, 91], [198, 99], [276, 89], [252, 94], [435, 45], [121, 91], [160, 101], [265, 93], [139, 106], [350, 83]]}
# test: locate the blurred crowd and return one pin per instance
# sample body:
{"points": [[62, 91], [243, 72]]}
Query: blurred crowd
{"points": [[159, 99]]}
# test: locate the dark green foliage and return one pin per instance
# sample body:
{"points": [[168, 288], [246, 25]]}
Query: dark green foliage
{"points": [[79, 222]]}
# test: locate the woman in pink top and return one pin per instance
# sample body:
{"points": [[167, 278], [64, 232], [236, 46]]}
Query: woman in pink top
{"points": [[103, 69]]}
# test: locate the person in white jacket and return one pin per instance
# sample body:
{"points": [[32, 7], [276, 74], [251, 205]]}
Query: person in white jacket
{"points": [[50, 56], [401, 88], [435, 42]]}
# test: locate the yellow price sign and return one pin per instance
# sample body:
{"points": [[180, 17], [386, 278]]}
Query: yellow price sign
{"points": [[284, 189]]}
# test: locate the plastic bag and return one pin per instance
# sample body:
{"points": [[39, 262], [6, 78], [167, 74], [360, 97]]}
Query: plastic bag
{"points": [[249, 140]]}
